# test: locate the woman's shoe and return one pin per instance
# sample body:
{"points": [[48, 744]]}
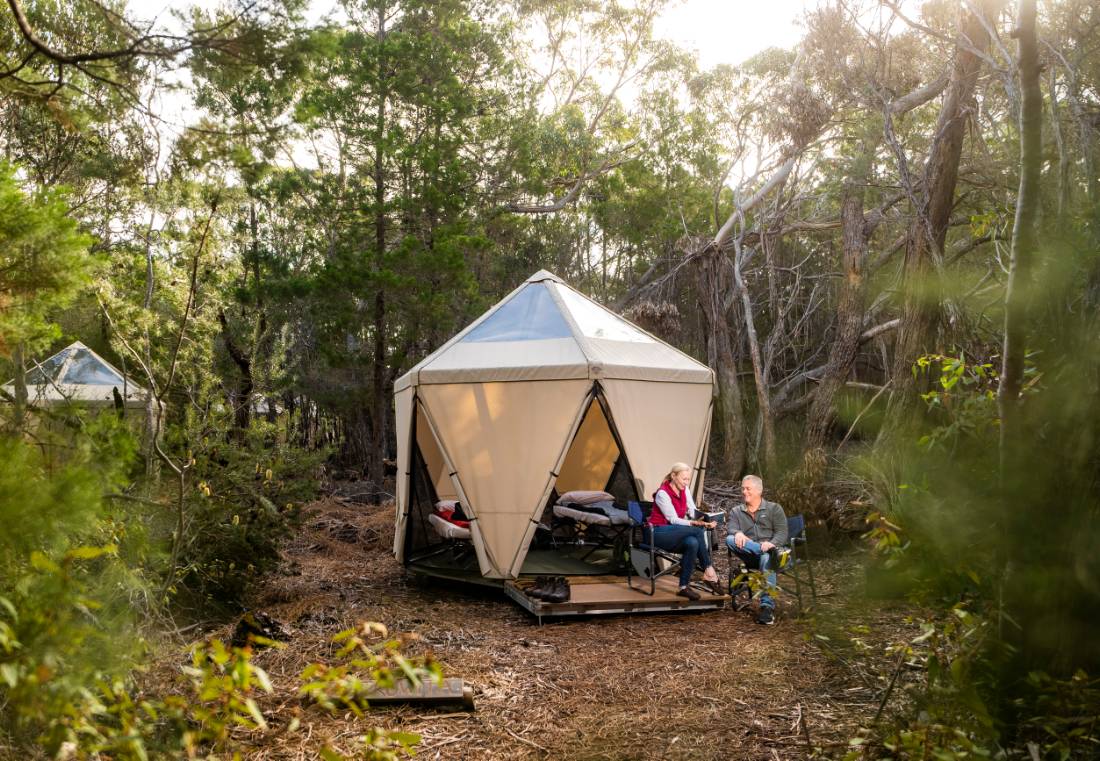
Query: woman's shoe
{"points": [[688, 592]]}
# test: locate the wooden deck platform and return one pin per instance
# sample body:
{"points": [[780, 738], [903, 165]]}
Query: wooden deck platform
{"points": [[603, 595]]}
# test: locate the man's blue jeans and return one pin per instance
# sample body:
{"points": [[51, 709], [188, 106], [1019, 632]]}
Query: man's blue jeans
{"points": [[687, 540], [755, 558]]}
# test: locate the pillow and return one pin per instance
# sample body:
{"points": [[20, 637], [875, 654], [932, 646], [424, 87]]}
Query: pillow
{"points": [[585, 497], [446, 504]]}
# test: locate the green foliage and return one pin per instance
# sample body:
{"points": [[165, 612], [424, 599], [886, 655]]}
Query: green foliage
{"points": [[963, 398], [242, 502], [216, 697], [69, 604], [369, 661], [1062, 721], [44, 260], [979, 533], [222, 682]]}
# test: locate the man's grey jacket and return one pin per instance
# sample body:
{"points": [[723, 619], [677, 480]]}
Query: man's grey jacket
{"points": [[769, 524]]}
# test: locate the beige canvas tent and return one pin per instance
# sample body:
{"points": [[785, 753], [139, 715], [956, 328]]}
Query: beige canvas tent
{"points": [[546, 392]]}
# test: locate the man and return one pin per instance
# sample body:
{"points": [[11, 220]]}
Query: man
{"points": [[757, 530]]}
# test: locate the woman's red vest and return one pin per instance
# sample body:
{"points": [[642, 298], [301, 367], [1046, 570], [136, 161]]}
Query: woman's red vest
{"points": [[679, 504]]}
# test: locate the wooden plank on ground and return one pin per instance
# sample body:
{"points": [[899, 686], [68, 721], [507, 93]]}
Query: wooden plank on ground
{"points": [[452, 692]]}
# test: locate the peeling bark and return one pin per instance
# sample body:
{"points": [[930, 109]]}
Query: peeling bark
{"points": [[850, 308]]}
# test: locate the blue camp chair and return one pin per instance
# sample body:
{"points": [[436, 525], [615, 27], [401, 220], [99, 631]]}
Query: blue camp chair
{"points": [[797, 566], [644, 555]]}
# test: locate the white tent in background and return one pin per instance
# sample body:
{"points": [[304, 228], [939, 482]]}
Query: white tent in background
{"points": [[78, 375], [547, 391]]}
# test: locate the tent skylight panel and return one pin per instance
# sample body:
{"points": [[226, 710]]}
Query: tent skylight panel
{"points": [[595, 321], [86, 369], [47, 371], [530, 315]]}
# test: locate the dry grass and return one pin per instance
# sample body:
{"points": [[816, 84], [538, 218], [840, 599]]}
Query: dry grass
{"points": [[698, 686]]}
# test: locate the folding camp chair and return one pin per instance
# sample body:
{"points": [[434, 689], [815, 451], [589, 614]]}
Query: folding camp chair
{"points": [[644, 556], [795, 565]]}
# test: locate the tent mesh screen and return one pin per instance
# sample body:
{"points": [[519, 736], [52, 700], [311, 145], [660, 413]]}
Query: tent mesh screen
{"points": [[419, 534], [621, 482]]}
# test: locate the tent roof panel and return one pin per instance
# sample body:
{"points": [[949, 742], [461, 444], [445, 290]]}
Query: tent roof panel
{"points": [[548, 359], [545, 330]]}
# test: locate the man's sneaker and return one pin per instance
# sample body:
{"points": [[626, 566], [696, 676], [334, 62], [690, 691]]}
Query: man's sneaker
{"points": [[766, 617]]}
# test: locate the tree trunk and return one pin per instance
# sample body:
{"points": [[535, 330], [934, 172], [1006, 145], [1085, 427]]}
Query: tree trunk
{"points": [[1024, 238], [375, 452], [712, 286], [1063, 176], [763, 397], [242, 397], [927, 232], [849, 321], [19, 412]]}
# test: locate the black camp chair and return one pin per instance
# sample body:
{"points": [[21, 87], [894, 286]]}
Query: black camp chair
{"points": [[797, 566], [644, 555]]}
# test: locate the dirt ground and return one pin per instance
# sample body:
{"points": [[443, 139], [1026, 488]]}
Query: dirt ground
{"points": [[662, 686]]}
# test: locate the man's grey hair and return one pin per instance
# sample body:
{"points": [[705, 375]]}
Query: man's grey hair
{"points": [[755, 480]]}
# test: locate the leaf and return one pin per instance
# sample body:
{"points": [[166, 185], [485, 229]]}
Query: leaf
{"points": [[407, 739], [90, 553], [328, 754], [254, 712], [7, 605], [42, 563], [924, 636], [262, 678], [10, 673]]}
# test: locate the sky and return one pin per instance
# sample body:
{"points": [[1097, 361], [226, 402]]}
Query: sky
{"points": [[729, 31]]}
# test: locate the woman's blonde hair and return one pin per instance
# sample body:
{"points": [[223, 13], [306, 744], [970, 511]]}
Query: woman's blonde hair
{"points": [[677, 467]]}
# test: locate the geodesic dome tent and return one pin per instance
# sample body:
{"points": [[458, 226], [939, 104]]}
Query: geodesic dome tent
{"points": [[78, 375], [546, 392]]}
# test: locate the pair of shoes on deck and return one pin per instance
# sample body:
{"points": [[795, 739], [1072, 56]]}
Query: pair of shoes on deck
{"points": [[550, 589]]}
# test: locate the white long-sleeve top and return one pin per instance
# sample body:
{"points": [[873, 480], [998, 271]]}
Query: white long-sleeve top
{"points": [[664, 504]]}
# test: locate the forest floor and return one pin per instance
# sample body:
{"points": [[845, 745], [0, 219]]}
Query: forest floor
{"points": [[699, 686]]}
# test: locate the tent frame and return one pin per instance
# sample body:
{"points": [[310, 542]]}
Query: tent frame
{"points": [[595, 395]]}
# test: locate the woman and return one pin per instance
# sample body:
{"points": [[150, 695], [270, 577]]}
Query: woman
{"points": [[675, 532]]}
